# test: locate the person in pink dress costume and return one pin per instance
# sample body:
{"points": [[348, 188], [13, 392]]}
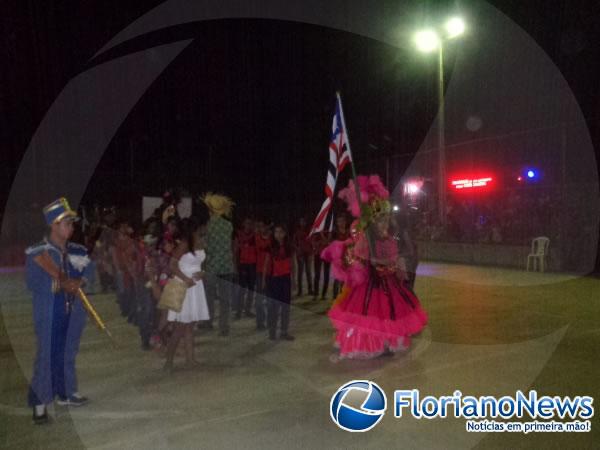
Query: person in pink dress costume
{"points": [[376, 313]]}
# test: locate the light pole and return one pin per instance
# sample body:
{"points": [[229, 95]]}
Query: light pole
{"points": [[428, 41], [441, 140]]}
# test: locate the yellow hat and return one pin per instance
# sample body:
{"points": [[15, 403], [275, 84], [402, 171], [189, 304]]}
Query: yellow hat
{"points": [[218, 204]]}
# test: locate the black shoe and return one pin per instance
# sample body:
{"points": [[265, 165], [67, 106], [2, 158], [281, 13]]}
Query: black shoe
{"points": [[42, 419], [146, 346], [249, 314], [237, 317], [73, 400], [287, 337], [260, 327], [299, 294], [272, 336]]}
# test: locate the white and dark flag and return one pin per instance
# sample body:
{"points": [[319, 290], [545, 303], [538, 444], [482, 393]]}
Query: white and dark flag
{"points": [[339, 157]]}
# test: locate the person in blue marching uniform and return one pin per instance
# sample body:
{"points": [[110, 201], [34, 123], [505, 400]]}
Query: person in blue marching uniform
{"points": [[58, 316]]}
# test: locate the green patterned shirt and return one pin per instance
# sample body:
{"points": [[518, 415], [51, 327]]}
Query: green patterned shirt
{"points": [[219, 252]]}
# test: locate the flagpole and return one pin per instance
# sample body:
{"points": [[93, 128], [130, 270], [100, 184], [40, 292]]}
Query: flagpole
{"points": [[354, 175]]}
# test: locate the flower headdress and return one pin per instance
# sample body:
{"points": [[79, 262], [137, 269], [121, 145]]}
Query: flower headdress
{"points": [[374, 200]]}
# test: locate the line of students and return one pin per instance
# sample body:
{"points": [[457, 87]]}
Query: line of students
{"points": [[265, 258], [266, 261], [265, 267]]}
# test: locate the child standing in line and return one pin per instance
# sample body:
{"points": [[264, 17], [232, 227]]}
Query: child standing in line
{"points": [[279, 264], [186, 265], [163, 273], [263, 242], [320, 240], [303, 250], [145, 283], [246, 257]]}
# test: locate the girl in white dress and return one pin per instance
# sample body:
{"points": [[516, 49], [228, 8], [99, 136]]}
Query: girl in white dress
{"points": [[186, 264]]}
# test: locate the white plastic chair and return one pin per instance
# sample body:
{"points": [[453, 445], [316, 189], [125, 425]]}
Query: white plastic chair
{"points": [[539, 251]]}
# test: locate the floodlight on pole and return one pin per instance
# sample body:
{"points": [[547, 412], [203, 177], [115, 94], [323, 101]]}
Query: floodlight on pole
{"points": [[455, 27], [427, 41]]}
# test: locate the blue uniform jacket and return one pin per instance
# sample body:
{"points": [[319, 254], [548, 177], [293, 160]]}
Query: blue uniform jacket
{"points": [[40, 284]]}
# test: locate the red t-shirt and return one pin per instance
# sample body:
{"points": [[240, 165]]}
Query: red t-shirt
{"points": [[320, 241], [262, 250], [125, 258], [282, 263], [247, 244], [302, 242]]}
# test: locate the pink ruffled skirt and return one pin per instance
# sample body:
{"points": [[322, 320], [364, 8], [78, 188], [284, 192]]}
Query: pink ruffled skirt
{"points": [[369, 323]]}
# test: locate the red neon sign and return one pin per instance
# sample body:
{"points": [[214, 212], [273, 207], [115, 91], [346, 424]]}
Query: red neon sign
{"points": [[468, 183]]}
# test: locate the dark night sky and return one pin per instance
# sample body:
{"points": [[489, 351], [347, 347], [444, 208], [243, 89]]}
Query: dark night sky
{"points": [[246, 108]]}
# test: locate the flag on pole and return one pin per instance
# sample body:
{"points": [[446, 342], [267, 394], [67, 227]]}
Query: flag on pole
{"points": [[339, 157]]}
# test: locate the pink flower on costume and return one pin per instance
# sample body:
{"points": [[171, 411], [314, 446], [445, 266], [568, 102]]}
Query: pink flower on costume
{"points": [[371, 188], [376, 189], [334, 253], [348, 194]]}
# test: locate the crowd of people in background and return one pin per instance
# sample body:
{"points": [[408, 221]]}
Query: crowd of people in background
{"points": [[513, 219]]}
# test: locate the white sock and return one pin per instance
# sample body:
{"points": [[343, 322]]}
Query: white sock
{"points": [[39, 409]]}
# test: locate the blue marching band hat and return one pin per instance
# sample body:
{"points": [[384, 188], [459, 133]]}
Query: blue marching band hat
{"points": [[59, 210]]}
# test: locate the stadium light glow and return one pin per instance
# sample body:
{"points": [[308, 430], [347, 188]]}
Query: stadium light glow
{"points": [[427, 41], [455, 27], [411, 188]]}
